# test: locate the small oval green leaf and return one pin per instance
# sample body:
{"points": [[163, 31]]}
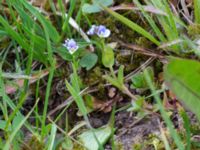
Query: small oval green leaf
{"points": [[95, 7], [88, 61], [108, 57]]}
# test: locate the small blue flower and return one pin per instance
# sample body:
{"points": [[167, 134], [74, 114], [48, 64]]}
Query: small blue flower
{"points": [[103, 32], [71, 45], [100, 30]]}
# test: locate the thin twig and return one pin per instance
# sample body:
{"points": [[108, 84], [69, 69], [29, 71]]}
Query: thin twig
{"points": [[142, 50], [140, 68]]}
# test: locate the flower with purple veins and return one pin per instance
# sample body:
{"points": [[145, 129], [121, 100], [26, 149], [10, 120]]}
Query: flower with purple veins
{"points": [[71, 45], [103, 32], [100, 30]]}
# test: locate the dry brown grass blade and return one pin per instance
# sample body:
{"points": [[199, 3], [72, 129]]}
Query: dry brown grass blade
{"points": [[149, 8], [168, 44], [141, 50]]}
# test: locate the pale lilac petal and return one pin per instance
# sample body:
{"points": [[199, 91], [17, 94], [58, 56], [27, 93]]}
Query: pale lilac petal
{"points": [[92, 30], [71, 45], [103, 32]]}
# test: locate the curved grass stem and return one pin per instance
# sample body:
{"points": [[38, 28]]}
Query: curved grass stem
{"points": [[126, 91]]}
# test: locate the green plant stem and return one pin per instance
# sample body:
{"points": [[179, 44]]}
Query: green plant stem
{"points": [[127, 92], [123, 88], [113, 72]]}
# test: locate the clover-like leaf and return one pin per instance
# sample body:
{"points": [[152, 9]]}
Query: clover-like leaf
{"points": [[89, 141], [88, 61], [96, 6]]}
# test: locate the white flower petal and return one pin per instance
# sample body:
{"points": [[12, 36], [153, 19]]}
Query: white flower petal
{"points": [[91, 31], [107, 33]]}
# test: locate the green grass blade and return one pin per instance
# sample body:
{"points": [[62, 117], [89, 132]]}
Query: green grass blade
{"points": [[52, 137], [186, 124], [167, 22], [197, 11], [164, 114], [80, 103], [151, 22], [77, 98], [23, 41], [13, 34], [9, 102], [66, 27], [17, 128], [171, 19], [50, 79], [53, 34], [27, 21], [132, 25]]}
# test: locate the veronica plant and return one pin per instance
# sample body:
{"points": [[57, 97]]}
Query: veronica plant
{"points": [[107, 52], [74, 85], [108, 59], [71, 46], [100, 30]]}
